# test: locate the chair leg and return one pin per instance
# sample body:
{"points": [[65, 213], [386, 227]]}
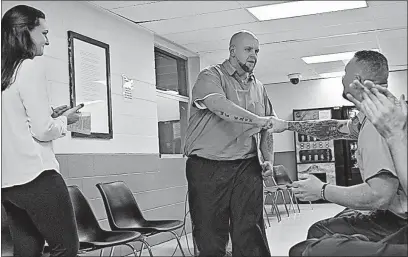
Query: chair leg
{"points": [[101, 254], [275, 199], [266, 214], [141, 248], [111, 251], [284, 202], [291, 201], [148, 248], [267, 218], [276, 207], [133, 249], [272, 209], [296, 201], [178, 242]]}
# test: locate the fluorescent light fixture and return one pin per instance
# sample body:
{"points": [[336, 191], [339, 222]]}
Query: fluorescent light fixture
{"points": [[301, 8], [331, 57], [332, 74]]}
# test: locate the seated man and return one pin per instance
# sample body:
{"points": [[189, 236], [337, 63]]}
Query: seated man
{"points": [[389, 117], [380, 193]]}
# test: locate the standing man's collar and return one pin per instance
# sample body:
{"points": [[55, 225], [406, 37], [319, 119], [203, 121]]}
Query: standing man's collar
{"points": [[228, 66], [231, 70]]}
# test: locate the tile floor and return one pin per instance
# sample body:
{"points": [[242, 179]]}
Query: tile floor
{"points": [[281, 236]]}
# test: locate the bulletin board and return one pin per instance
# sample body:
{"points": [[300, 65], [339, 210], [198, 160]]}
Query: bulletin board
{"points": [[90, 83]]}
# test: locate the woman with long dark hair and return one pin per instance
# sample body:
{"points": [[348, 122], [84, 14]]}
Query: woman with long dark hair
{"points": [[34, 194]]}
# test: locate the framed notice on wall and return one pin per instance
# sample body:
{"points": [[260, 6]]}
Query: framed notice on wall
{"points": [[89, 81]]}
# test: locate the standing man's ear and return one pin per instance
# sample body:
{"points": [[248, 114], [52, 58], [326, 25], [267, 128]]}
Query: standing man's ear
{"points": [[232, 50]]}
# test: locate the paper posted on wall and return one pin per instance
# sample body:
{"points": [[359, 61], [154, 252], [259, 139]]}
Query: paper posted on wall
{"points": [[83, 125], [127, 87]]}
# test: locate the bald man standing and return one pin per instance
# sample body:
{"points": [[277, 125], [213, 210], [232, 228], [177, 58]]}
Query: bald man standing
{"points": [[228, 124]]}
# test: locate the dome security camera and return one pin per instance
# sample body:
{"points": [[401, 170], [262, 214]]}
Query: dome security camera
{"points": [[294, 78]]}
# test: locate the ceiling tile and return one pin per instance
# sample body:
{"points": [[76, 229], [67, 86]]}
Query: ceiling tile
{"points": [[206, 27], [119, 4], [247, 4], [389, 10], [392, 34], [315, 21], [200, 22], [328, 67], [289, 65], [304, 22], [274, 26], [208, 46], [332, 23], [216, 57], [278, 77], [391, 22], [206, 35], [395, 50], [174, 9], [323, 32], [216, 33], [375, 3], [334, 45], [266, 49]]}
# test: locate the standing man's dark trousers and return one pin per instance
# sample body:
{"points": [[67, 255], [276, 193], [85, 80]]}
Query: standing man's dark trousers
{"points": [[227, 196]]}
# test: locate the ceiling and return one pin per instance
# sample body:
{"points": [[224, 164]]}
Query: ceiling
{"points": [[205, 28]]}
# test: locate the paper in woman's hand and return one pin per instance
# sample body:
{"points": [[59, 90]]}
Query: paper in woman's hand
{"points": [[83, 125]]}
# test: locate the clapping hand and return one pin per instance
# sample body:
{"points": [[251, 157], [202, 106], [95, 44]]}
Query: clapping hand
{"points": [[382, 108], [58, 111], [73, 114]]}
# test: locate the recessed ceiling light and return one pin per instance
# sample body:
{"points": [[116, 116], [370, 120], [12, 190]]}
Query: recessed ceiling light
{"points": [[301, 8], [331, 57], [332, 74]]}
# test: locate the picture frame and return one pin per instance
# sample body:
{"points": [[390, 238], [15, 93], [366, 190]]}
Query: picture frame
{"points": [[90, 83]]}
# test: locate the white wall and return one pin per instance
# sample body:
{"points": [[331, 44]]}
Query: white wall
{"points": [[316, 94], [131, 53]]}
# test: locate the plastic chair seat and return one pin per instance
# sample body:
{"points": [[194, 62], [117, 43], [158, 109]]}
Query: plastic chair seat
{"points": [[108, 239], [155, 226]]}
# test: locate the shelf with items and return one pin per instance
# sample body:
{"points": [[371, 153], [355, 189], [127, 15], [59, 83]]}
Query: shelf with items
{"points": [[307, 139], [315, 145], [315, 155]]}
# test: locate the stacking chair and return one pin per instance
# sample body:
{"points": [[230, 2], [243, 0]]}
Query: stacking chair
{"points": [[124, 213], [274, 208], [272, 189], [283, 180], [91, 236]]}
